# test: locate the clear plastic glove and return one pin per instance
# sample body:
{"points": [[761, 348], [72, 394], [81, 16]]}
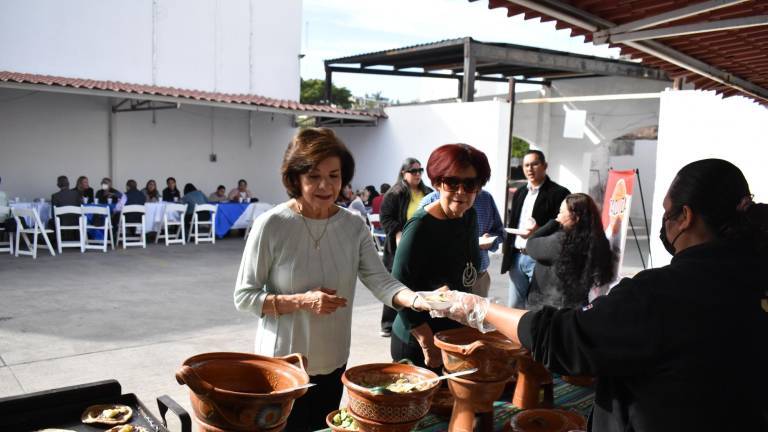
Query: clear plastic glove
{"points": [[468, 309]]}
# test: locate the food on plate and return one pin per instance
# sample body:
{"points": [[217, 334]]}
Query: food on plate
{"points": [[438, 297], [343, 420], [107, 414], [127, 428]]}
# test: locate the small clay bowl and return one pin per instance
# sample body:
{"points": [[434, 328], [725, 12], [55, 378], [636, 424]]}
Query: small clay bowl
{"points": [[329, 422], [541, 420]]}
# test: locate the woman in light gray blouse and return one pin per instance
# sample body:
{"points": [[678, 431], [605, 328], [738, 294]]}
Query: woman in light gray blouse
{"points": [[299, 269]]}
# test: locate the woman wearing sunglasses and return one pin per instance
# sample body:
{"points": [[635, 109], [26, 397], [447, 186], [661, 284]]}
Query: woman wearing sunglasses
{"points": [[439, 248], [399, 205]]}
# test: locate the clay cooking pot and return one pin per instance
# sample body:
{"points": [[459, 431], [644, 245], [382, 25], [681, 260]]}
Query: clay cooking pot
{"points": [[493, 354], [243, 392]]}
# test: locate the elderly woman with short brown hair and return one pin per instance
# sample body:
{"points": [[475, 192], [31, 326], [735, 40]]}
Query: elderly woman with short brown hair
{"points": [[299, 270]]}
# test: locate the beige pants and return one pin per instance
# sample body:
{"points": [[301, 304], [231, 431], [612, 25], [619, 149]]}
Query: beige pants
{"points": [[482, 284]]}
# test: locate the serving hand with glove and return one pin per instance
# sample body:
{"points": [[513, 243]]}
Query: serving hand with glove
{"points": [[480, 313]]}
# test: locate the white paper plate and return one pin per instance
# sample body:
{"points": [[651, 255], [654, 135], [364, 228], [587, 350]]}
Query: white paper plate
{"points": [[515, 231], [487, 241], [434, 304]]}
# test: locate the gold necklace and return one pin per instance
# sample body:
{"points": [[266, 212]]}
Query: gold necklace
{"points": [[309, 231]]}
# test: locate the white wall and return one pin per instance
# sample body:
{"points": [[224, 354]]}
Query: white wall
{"points": [[416, 130], [44, 135], [194, 44], [697, 125]]}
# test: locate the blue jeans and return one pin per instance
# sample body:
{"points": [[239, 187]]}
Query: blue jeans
{"points": [[520, 274]]}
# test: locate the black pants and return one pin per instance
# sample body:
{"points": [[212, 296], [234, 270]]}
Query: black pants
{"points": [[387, 318], [309, 411]]}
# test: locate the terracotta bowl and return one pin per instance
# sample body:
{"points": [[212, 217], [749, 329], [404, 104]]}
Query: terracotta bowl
{"points": [[243, 392], [333, 427], [548, 420], [492, 353], [367, 425], [442, 402], [390, 408]]}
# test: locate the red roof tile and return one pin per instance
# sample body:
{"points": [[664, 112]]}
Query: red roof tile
{"points": [[227, 98]]}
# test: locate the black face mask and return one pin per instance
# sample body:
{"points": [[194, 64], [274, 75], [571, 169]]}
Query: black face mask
{"points": [[669, 246]]}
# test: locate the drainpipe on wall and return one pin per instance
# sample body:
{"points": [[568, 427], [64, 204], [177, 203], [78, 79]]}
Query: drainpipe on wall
{"points": [[111, 129]]}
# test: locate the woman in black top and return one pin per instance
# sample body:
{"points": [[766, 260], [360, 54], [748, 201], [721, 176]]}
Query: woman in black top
{"points": [[439, 247], [572, 256], [408, 188], [677, 348], [171, 192]]}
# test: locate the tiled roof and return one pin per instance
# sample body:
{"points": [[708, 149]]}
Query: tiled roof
{"points": [[142, 89], [742, 52]]}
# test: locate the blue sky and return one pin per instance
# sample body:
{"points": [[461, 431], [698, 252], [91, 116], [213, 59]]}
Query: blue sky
{"points": [[338, 28]]}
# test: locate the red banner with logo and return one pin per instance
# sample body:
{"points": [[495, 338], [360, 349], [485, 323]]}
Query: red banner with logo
{"points": [[618, 201]]}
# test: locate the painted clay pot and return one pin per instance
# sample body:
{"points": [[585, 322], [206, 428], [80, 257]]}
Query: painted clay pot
{"points": [[546, 420], [368, 425], [492, 353], [386, 408], [333, 427], [243, 392]]}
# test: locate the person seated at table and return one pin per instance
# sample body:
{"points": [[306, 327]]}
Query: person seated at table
{"points": [[572, 256], [107, 194], [369, 194], [150, 192], [356, 206], [64, 197], [84, 190], [376, 205], [171, 193], [657, 339], [133, 195], [219, 196], [241, 193], [346, 196], [3, 203], [193, 197], [5, 217]]}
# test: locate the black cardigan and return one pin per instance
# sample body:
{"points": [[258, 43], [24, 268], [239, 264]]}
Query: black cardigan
{"points": [[678, 348], [545, 246], [546, 207], [393, 216]]}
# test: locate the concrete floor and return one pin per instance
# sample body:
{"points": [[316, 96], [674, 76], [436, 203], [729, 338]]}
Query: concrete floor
{"points": [[134, 315]]}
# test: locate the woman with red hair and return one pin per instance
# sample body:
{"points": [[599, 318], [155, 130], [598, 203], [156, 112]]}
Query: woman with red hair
{"points": [[439, 247]]}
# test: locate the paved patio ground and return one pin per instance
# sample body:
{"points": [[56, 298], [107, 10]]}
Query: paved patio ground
{"points": [[134, 315]]}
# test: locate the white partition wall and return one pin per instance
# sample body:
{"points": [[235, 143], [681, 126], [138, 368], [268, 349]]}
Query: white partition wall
{"points": [[416, 130], [696, 125]]}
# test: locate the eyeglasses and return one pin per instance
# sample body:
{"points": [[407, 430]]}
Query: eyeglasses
{"points": [[451, 184], [415, 171]]}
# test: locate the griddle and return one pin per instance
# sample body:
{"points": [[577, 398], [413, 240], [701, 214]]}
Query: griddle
{"points": [[61, 409]]}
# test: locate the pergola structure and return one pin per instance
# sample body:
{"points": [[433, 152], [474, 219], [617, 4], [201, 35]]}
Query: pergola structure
{"points": [[719, 45], [467, 60]]}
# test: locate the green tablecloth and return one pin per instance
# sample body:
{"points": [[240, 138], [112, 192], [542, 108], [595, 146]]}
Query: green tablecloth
{"points": [[567, 396]]}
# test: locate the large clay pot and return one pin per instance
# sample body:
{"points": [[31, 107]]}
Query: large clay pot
{"points": [[372, 410], [493, 354], [243, 392], [548, 420]]}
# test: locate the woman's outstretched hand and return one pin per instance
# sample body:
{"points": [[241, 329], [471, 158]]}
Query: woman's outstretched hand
{"points": [[467, 309], [322, 301]]}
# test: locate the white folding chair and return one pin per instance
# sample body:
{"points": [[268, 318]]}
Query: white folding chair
{"points": [[194, 229], [108, 237], [173, 216], [36, 230], [122, 230], [7, 244], [379, 239], [58, 212]]}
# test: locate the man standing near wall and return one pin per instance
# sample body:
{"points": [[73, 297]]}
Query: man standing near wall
{"points": [[532, 207]]}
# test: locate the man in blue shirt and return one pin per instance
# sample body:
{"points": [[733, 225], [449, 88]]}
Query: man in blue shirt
{"points": [[488, 224]]}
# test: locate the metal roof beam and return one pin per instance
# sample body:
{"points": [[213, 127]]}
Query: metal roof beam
{"points": [[686, 29], [666, 17], [577, 17], [561, 62], [427, 75]]}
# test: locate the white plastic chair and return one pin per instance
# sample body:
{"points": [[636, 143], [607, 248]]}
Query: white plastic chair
{"points": [[379, 239], [140, 239], [58, 212], [5, 245], [36, 230], [108, 238], [194, 229], [173, 216]]}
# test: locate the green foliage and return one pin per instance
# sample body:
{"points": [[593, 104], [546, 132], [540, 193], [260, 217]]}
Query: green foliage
{"points": [[519, 147], [313, 92]]}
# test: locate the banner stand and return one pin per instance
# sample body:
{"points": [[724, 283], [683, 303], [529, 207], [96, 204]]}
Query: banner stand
{"points": [[645, 219]]}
